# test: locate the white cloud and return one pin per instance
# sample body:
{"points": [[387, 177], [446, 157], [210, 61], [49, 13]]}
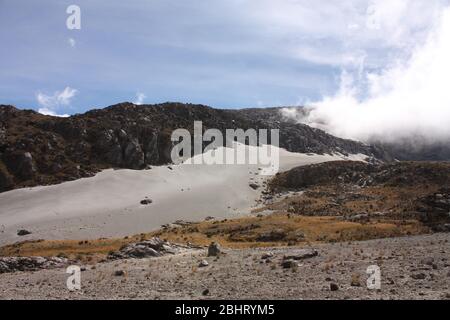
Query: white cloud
{"points": [[51, 103], [72, 42], [140, 97], [49, 112], [409, 99]]}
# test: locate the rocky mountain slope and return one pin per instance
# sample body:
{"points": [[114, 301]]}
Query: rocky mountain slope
{"points": [[358, 191], [36, 149]]}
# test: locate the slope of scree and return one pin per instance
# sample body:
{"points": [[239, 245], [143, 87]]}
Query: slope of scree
{"points": [[37, 150]]}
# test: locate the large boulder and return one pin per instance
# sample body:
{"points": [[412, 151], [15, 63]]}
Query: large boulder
{"points": [[154, 247], [13, 264], [214, 249]]}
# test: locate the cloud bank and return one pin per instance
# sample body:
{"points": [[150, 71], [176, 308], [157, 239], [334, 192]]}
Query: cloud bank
{"points": [[408, 100]]}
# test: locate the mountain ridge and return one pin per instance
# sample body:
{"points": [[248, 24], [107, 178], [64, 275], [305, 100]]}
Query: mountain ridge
{"points": [[38, 149]]}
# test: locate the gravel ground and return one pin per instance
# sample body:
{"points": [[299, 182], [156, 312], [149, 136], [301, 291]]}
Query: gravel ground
{"points": [[411, 268]]}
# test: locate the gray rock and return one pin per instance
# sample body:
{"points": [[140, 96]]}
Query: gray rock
{"points": [[418, 276], [254, 186], [154, 247], [146, 201], [203, 264], [119, 273], [334, 287], [267, 255], [214, 249], [13, 264], [302, 254], [289, 264], [23, 232]]}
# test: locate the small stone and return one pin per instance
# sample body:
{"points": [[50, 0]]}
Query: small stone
{"points": [[288, 264], [203, 264], [214, 249], [418, 276], [334, 287], [119, 273], [302, 254], [205, 292], [146, 201], [428, 261], [267, 255], [254, 186], [23, 232]]}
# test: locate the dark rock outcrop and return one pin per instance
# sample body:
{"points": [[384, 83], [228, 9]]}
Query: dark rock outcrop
{"points": [[13, 264], [363, 174], [154, 247], [36, 149]]}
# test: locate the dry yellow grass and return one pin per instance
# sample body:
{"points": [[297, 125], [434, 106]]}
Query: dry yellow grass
{"points": [[237, 233]]}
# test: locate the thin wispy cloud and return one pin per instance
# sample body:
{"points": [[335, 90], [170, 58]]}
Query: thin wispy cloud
{"points": [[50, 104], [140, 97], [72, 42]]}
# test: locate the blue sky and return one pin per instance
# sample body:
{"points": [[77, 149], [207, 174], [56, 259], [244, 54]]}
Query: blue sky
{"points": [[228, 53]]}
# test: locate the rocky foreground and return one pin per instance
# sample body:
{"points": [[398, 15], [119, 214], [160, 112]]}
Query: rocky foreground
{"points": [[411, 268]]}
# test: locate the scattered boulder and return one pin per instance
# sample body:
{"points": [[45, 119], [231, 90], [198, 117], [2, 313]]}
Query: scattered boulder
{"points": [[214, 249], [254, 186], [13, 264], [146, 201], [154, 247], [428, 261], [289, 264], [267, 255], [23, 232], [203, 264], [419, 276], [301, 254], [119, 273], [334, 286]]}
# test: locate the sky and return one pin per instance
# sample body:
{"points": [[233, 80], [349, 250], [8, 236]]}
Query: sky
{"points": [[338, 57]]}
